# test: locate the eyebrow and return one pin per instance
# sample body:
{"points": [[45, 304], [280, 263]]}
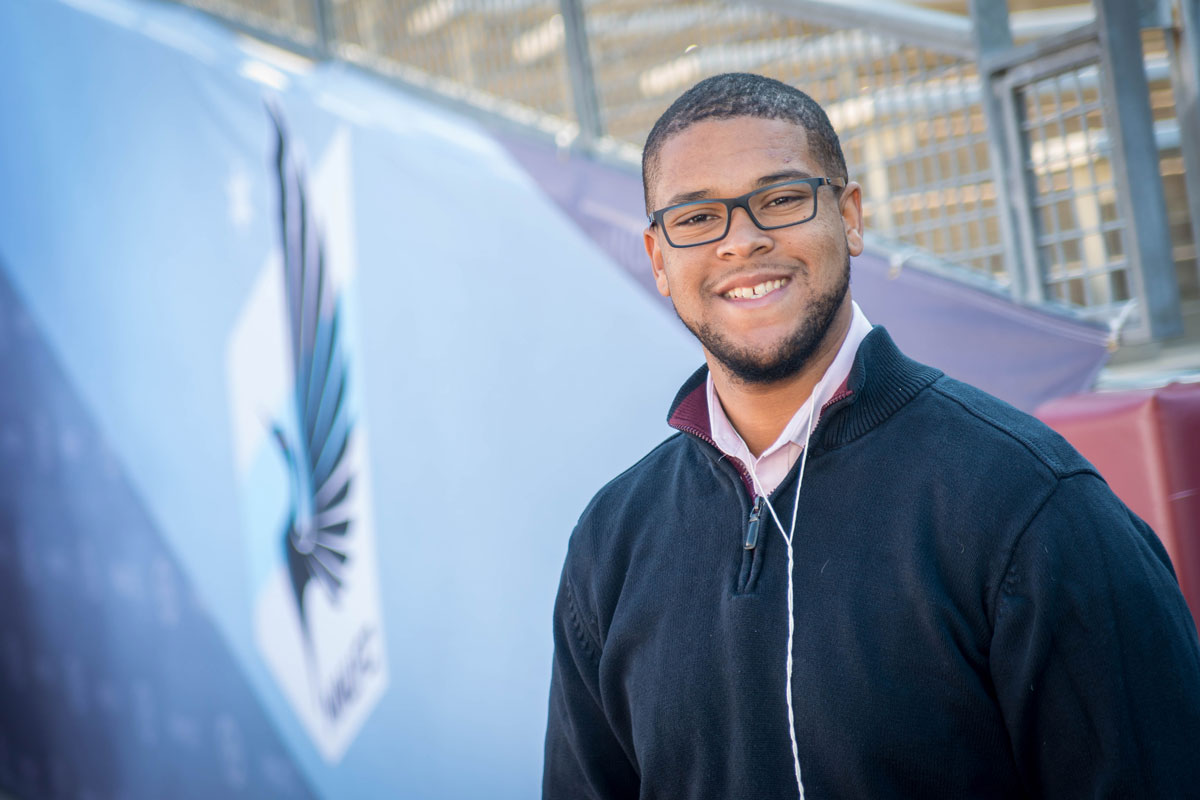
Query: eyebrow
{"points": [[765, 180]]}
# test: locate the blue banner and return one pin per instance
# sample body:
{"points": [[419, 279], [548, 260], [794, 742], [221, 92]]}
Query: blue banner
{"points": [[305, 383]]}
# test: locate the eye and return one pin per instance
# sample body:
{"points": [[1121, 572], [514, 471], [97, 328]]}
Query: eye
{"points": [[695, 216], [787, 197], [699, 218], [784, 204]]}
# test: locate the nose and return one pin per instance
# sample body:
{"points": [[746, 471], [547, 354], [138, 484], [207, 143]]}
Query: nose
{"points": [[744, 238]]}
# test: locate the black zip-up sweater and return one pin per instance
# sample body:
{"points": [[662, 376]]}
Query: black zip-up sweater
{"points": [[977, 616]]}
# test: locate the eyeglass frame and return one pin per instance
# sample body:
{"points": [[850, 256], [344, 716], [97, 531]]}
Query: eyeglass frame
{"points": [[655, 217]]}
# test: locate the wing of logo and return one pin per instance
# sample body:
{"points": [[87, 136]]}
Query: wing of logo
{"points": [[314, 535], [301, 444]]}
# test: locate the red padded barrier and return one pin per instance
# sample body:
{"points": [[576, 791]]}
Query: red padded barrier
{"points": [[1146, 444]]}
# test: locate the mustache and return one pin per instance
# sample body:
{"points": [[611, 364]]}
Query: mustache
{"points": [[785, 270]]}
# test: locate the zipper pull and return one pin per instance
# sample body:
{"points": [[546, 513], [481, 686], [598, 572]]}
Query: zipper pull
{"points": [[755, 521]]}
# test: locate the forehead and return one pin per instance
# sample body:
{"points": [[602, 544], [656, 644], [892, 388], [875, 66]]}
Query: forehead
{"points": [[726, 157]]}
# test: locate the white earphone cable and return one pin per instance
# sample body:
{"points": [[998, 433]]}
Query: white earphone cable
{"points": [[787, 537]]}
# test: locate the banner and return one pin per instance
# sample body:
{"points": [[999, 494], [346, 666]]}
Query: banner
{"points": [[304, 385]]}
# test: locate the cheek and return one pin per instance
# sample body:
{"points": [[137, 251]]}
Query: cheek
{"points": [[829, 240], [674, 276], [813, 244]]}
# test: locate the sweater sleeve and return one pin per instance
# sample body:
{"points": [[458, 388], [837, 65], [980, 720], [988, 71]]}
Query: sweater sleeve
{"points": [[584, 759], [1094, 654]]}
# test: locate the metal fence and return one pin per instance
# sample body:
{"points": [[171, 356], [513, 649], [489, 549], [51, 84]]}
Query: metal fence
{"points": [[292, 21], [507, 55], [908, 114], [1009, 155], [1080, 229], [1090, 141]]}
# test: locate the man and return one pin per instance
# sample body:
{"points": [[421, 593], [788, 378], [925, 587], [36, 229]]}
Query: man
{"points": [[847, 575]]}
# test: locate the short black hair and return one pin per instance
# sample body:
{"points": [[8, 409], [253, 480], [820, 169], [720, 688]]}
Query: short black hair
{"points": [[741, 94]]}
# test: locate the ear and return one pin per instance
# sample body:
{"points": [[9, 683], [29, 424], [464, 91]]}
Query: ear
{"points": [[654, 250], [850, 206]]}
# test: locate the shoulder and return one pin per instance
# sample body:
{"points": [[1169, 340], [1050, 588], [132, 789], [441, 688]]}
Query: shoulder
{"points": [[641, 485], [938, 419], [655, 494], [964, 451], [988, 425]]}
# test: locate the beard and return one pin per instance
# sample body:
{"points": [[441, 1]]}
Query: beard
{"points": [[793, 353]]}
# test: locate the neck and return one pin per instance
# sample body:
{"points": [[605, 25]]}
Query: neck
{"points": [[760, 411]]}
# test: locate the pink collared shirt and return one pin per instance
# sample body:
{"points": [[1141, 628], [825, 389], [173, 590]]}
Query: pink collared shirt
{"points": [[774, 463]]}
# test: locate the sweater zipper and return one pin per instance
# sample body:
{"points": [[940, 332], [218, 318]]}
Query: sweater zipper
{"points": [[755, 523], [759, 501], [751, 552]]}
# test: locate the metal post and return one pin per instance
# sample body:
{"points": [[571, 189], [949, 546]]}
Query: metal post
{"points": [[1029, 281], [993, 38], [1155, 13], [323, 26], [1183, 46], [579, 64], [1135, 162]]}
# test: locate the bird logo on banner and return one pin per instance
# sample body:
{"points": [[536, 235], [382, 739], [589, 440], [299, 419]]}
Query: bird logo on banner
{"points": [[320, 474]]}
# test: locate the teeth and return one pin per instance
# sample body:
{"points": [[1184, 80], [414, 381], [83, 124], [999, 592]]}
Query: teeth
{"points": [[747, 292]]}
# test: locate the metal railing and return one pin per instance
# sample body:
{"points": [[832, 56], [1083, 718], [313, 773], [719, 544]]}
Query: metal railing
{"points": [[1015, 148], [511, 51]]}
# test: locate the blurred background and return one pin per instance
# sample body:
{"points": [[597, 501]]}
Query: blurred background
{"points": [[322, 320]]}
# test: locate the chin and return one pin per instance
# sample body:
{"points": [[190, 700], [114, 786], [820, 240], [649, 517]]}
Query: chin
{"points": [[766, 371], [779, 360]]}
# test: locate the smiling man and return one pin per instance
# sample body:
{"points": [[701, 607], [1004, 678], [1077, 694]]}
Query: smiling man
{"points": [[847, 575]]}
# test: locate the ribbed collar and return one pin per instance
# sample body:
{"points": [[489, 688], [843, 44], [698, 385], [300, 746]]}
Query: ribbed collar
{"points": [[881, 381]]}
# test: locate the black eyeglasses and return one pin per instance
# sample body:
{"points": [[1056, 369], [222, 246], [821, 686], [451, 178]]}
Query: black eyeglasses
{"points": [[776, 206]]}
